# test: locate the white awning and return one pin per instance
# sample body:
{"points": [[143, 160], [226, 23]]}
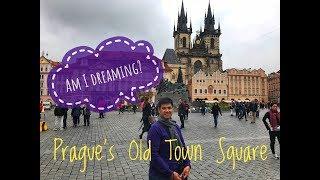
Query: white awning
{"points": [[211, 101]]}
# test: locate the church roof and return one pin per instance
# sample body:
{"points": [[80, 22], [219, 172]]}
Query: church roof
{"points": [[170, 57]]}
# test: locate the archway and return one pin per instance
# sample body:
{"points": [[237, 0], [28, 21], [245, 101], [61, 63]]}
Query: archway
{"points": [[197, 66], [210, 89], [184, 42]]}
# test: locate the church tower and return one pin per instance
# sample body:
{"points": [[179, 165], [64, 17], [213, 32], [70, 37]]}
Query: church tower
{"points": [[181, 33], [210, 34]]}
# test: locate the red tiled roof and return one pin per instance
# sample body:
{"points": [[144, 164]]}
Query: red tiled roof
{"points": [[54, 63]]}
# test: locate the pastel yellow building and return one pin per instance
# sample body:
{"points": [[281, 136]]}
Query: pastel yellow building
{"points": [[274, 86], [45, 67], [247, 84], [209, 86]]}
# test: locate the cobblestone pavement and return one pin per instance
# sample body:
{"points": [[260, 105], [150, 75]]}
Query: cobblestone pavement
{"points": [[120, 130]]}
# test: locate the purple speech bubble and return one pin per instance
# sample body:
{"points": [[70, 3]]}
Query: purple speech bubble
{"points": [[101, 78]]}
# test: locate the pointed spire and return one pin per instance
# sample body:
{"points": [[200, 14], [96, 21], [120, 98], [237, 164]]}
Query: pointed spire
{"points": [[219, 25], [186, 14], [182, 9], [174, 26], [209, 11]]}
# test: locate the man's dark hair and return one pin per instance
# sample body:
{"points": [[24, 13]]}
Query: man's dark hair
{"points": [[164, 100]]}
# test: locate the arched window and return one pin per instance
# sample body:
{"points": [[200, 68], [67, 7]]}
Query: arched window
{"points": [[184, 42], [197, 66], [212, 43], [210, 89]]}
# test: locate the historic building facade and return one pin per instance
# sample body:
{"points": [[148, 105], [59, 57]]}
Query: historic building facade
{"points": [[274, 86], [201, 54], [209, 86], [45, 67], [247, 84]]}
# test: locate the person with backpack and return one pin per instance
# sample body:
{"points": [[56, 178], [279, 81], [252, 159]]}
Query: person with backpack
{"points": [[58, 123]]}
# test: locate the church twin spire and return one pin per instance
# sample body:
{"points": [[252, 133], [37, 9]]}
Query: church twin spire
{"points": [[209, 22]]}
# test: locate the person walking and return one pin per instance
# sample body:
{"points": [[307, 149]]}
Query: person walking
{"points": [[86, 115], [203, 109], [101, 115], [254, 108], [182, 113], [58, 123], [134, 108], [242, 111], [75, 113], [187, 109], [161, 166], [215, 110], [65, 116], [146, 115], [232, 107], [273, 126]]}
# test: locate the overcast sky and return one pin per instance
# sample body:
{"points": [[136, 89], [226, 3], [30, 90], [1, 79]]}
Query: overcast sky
{"points": [[250, 28]]}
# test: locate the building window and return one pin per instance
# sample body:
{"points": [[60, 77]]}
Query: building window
{"points": [[221, 81], [205, 91], [197, 80], [41, 69], [212, 43], [219, 91], [200, 80], [200, 91], [214, 91], [203, 80], [195, 90], [46, 69], [41, 84], [214, 81], [184, 42], [224, 91], [41, 92], [218, 81]]}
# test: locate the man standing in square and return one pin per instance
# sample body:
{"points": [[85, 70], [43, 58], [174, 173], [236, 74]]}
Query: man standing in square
{"points": [[161, 167]]}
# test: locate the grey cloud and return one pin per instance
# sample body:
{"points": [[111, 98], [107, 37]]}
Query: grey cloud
{"points": [[69, 23]]}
